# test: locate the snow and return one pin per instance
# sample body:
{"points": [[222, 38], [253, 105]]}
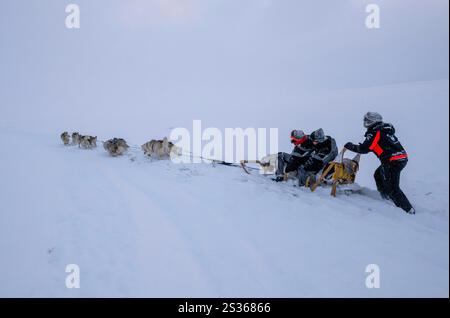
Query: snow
{"points": [[137, 69], [144, 228]]}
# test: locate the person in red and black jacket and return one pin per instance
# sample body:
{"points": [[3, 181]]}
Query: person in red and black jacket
{"points": [[303, 148], [381, 140]]}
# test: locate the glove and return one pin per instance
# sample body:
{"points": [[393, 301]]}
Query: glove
{"points": [[349, 146], [309, 162]]}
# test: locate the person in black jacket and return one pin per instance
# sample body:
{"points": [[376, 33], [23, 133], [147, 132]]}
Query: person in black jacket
{"points": [[303, 147], [381, 140], [324, 151]]}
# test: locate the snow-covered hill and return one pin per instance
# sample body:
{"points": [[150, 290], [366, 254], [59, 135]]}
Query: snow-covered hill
{"points": [[142, 228], [136, 69]]}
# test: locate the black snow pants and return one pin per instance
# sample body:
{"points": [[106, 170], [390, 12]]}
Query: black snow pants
{"points": [[387, 178], [283, 160]]}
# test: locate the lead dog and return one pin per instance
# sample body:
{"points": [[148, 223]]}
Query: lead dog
{"points": [[65, 137]]}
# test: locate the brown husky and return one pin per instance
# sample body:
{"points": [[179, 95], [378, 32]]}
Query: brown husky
{"points": [[65, 138], [88, 142], [160, 148], [115, 146], [76, 138]]}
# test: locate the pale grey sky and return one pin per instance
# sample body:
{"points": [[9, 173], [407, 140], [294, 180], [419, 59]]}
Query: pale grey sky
{"points": [[183, 57]]}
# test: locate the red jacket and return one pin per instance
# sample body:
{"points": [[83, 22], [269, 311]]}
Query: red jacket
{"points": [[381, 140]]}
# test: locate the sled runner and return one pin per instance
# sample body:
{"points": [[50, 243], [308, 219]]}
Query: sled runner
{"points": [[339, 172]]}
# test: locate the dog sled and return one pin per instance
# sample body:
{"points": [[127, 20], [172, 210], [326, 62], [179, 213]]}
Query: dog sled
{"points": [[341, 172]]}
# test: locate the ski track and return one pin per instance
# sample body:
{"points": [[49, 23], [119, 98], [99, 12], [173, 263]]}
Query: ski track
{"points": [[141, 227]]}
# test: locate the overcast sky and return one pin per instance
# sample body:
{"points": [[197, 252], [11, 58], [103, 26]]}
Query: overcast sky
{"points": [[194, 54]]}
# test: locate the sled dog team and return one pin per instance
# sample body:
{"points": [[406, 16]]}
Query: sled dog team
{"points": [[313, 156], [86, 142], [118, 146]]}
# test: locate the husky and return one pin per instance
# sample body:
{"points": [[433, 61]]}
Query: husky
{"points": [[268, 164], [115, 146], [76, 138], [65, 137], [88, 142], [160, 148]]}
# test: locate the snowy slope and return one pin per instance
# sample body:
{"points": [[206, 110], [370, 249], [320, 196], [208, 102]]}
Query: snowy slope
{"points": [[136, 69], [142, 228]]}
